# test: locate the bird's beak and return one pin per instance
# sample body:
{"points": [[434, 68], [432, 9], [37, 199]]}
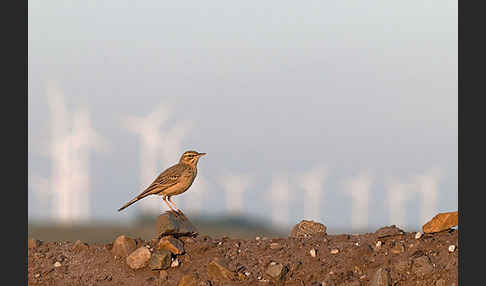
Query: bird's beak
{"points": [[201, 154]]}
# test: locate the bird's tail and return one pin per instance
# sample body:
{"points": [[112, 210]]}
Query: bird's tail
{"points": [[129, 203]]}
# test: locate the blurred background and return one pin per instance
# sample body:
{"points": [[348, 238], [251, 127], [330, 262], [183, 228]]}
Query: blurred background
{"points": [[342, 112]]}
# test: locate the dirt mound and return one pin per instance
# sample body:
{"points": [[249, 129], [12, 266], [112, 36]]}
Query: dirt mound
{"points": [[386, 257]]}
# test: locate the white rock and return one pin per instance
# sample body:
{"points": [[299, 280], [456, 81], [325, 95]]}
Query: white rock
{"points": [[418, 235], [334, 251], [257, 238], [247, 273], [452, 248], [378, 244], [57, 264], [312, 252]]}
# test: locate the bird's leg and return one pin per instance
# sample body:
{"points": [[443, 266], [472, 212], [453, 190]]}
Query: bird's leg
{"points": [[170, 207], [180, 212]]}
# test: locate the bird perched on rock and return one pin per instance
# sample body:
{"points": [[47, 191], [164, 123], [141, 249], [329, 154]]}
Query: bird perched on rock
{"points": [[173, 181]]}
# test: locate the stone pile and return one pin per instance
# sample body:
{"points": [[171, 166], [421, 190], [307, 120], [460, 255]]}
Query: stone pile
{"points": [[169, 227]]}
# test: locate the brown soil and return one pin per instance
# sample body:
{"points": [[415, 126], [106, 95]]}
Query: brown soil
{"points": [[409, 261]]}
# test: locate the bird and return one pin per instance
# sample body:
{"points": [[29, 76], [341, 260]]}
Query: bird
{"points": [[173, 181]]}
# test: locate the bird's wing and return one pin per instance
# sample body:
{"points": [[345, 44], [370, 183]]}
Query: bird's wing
{"points": [[166, 179]]}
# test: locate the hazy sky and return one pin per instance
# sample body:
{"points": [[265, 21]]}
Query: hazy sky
{"points": [[266, 88]]}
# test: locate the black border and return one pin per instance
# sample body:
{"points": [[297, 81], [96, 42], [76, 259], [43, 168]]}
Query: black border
{"points": [[14, 140]]}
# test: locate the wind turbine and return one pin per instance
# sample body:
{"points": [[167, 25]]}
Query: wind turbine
{"points": [[71, 141], [428, 187], [397, 194], [235, 186], [312, 182], [358, 188], [279, 199]]}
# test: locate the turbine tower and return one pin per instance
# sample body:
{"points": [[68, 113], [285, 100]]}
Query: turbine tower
{"points": [[279, 199], [428, 187], [69, 151], [358, 188], [397, 194], [312, 182], [235, 186]]}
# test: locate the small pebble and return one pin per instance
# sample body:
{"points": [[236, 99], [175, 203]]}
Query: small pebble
{"points": [[378, 244], [275, 245], [357, 243], [452, 248], [219, 243], [418, 235], [37, 275], [247, 273], [58, 264], [312, 252], [257, 238], [334, 251]]}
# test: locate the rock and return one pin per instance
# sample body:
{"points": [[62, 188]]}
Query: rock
{"points": [[160, 260], [276, 271], [440, 222], [171, 244], [139, 258], [440, 282], [170, 224], [33, 243], [381, 278], [218, 270], [378, 244], [312, 252], [275, 245], [188, 280], [57, 264], [398, 248], [163, 276], [123, 245], [307, 228], [418, 235], [79, 246], [388, 231], [334, 251], [422, 265], [452, 248], [402, 266]]}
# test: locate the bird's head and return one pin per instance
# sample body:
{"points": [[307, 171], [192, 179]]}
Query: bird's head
{"points": [[191, 157]]}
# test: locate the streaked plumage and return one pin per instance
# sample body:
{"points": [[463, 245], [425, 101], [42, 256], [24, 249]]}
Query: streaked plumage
{"points": [[173, 181]]}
